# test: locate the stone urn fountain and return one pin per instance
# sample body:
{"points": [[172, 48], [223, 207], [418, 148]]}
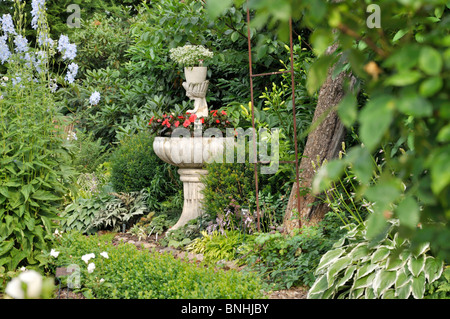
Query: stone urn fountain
{"points": [[190, 154]]}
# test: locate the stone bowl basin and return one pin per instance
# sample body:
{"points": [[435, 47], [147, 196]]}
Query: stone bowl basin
{"points": [[189, 152]]}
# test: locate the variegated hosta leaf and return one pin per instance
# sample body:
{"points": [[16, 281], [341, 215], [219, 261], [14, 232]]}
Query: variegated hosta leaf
{"points": [[318, 288], [365, 269], [355, 294], [433, 268], [404, 291], [418, 286], [359, 252], [416, 265], [380, 254], [422, 249], [347, 275], [364, 282], [336, 267], [403, 277], [388, 294], [383, 280], [329, 257], [395, 262]]}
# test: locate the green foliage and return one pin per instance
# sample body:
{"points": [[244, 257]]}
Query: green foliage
{"points": [[404, 73], [134, 166], [388, 268], [439, 289], [121, 209], [216, 246], [89, 154], [139, 274], [102, 42], [227, 183], [290, 260], [35, 174]]}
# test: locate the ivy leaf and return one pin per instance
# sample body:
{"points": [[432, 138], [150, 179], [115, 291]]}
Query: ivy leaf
{"points": [[375, 119]]}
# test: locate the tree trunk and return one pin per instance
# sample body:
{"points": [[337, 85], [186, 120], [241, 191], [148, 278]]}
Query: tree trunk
{"points": [[324, 142]]}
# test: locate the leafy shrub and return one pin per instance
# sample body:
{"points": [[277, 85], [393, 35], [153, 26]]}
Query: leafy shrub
{"points": [[216, 246], [290, 260], [89, 153], [439, 289], [135, 166], [121, 209], [388, 268], [139, 274]]}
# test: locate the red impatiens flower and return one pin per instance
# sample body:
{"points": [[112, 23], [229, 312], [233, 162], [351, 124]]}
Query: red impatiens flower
{"points": [[176, 123], [217, 121], [214, 112], [192, 117], [224, 113], [202, 120], [151, 120], [166, 122], [186, 123]]}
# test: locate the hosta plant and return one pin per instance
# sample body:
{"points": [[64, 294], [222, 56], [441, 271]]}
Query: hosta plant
{"points": [[391, 268]]}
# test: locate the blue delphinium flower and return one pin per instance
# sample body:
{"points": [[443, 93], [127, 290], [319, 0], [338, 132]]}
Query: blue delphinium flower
{"points": [[37, 8], [69, 50], [21, 44], [7, 24], [4, 50], [71, 72]]}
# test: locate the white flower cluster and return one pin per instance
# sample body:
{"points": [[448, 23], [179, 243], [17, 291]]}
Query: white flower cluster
{"points": [[94, 98], [69, 50], [37, 10], [190, 55], [31, 279]]}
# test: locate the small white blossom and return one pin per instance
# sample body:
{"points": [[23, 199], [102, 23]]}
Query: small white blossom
{"points": [[87, 257], [21, 44], [54, 253], [91, 267], [72, 72], [33, 281], [94, 98], [104, 254]]}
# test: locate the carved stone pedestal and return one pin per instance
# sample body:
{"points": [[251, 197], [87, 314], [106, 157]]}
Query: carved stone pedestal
{"points": [[192, 187]]}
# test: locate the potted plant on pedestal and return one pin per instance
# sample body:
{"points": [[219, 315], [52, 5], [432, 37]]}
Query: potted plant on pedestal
{"points": [[192, 58]]}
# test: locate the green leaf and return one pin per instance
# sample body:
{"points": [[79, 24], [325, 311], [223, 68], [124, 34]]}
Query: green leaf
{"points": [[347, 110], [414, 105], [418, 286], [433, 268], [408, 212], [44, 195], [375, 119], [380, 254], [376, 225], [329, 257], [319, 286], [439, 166], [326, 174], [403, 78], [361, 162], [318, 73], [347, 275], [431, 86], [383, 281], [336, 267], [216, 7], [430, 61], [416, 265], [444, 134]]}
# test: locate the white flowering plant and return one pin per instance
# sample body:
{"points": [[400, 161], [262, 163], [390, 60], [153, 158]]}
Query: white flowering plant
{"points": [[190, 55]]}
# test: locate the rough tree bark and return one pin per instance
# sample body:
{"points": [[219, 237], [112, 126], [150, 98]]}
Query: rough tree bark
{"points": [[324, 142]]}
